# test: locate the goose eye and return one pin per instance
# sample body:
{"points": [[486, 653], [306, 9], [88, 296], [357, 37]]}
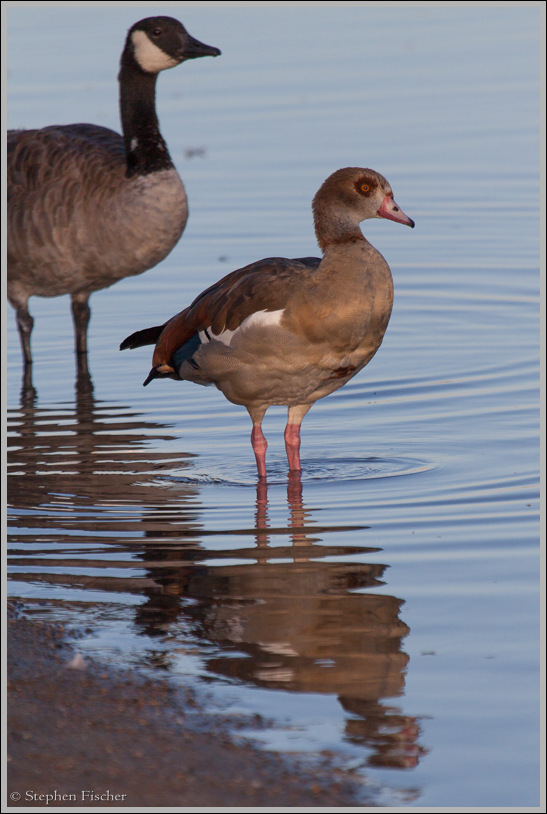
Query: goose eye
{"points": [[365, 187], [156, 32]]}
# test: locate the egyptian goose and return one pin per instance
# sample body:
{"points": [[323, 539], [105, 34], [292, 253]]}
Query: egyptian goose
{"points": [[86, 206], [289, 332]]}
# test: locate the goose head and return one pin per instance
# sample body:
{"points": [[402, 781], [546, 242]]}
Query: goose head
{"points": [[158, 43], [349, 196]]}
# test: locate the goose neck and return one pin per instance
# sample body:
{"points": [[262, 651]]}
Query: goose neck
{"points": [[145, 149], [333, 228]]}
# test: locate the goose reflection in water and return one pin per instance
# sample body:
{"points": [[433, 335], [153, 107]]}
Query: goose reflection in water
{"points": [[83, 383], [294, 617], [289, 610], [86, 467]]}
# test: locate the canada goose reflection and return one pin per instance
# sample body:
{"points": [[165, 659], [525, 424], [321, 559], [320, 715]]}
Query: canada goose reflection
{"points": [[71, 464], [83, 383]]}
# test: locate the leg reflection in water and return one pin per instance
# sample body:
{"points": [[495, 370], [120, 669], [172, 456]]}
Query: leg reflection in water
{"points": [[281, 602], [292, 612]]}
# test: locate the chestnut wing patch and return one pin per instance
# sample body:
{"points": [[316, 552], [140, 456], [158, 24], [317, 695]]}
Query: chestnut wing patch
{"points": [[261, 286]]}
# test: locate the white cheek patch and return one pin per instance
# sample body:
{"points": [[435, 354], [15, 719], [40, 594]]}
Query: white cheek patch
{"points": [[260, 319], [149, 56]]}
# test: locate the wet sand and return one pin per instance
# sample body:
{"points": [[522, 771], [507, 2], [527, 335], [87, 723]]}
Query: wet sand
{"points": [[92, 736]]}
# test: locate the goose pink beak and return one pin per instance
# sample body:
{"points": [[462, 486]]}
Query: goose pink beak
{"points": [[391, 211]]}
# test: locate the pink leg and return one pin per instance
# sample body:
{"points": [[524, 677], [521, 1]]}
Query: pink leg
{"points": [[292, 435], [260, 446], [292, 446]]}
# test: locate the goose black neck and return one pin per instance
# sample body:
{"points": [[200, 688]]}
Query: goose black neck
{"points": [[145, 149]]}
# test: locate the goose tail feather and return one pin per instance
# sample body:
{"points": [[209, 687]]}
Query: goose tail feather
{"points": [[148, 336]]}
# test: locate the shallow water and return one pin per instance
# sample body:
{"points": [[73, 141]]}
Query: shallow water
{"points": [[384, 607]]}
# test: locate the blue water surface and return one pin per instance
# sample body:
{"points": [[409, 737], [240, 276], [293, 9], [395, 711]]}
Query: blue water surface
{"points": [[384, 608]]}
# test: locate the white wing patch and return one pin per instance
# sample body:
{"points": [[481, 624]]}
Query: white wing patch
{"points": [[260, 319], [149, 56]]}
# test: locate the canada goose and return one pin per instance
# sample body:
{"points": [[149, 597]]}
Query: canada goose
{"points": [[86, 206], [289, 332]]}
